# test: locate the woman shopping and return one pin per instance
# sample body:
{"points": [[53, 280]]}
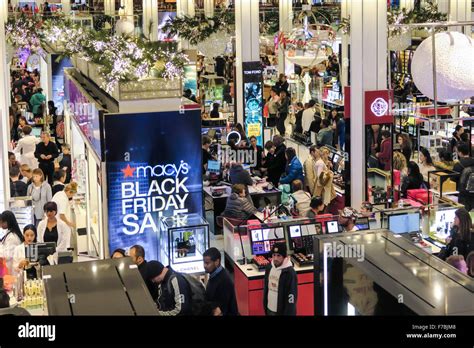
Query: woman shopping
{"points": [[40, 192]]}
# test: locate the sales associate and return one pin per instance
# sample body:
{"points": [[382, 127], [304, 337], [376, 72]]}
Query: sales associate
{"points": [[11, 239], [54, 230], [461, 241], [20, 261]]}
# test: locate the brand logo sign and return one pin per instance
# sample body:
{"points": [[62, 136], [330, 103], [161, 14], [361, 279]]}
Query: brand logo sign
{"points": [[378, 107]]}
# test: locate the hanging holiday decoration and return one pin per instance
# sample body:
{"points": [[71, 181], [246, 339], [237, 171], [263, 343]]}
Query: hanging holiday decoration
{"points": [[118, 58], [199, 28], [307, 43], [215, 45], [454, 67], [124, 27]]}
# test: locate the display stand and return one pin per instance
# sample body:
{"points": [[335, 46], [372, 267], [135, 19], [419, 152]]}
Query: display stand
{"points": [[183, 241]]}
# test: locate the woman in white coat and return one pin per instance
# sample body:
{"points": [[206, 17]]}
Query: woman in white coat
{"points": [[20, 262], [25, 149], [53, 229], [11, 239]]}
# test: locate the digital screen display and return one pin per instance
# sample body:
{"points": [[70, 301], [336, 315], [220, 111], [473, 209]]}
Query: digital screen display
{"points": [[253, 100], [213, 166], [149, 184], [443, 222], [300, 235], [190, 78], [57, 70], [332, 226], [404, 223], [362, 224], [295, 231], [262, 240]]}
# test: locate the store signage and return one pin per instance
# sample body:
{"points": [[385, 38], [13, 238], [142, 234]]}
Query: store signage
{"points": [[58, 64], [347, 102], [152, 171], [378, 107], [253, 100], [85, 112]]}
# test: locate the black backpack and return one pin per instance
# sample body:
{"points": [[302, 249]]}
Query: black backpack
{"points": [[198, 294], [466, 181]]}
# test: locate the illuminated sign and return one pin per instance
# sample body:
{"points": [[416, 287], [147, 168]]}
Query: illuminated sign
{"points": [[152, 171], [253, 100]]}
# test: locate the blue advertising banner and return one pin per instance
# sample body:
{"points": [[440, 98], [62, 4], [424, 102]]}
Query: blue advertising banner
{"points": [[58, 64], [253, 100], [153, 164]]}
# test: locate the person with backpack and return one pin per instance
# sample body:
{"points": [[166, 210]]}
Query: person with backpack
{"points": [[465, 183], [220, 291], [174, 291]]}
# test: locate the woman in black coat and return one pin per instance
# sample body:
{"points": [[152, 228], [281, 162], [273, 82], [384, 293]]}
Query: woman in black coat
{"points": [[414, 179], [461, 241]]}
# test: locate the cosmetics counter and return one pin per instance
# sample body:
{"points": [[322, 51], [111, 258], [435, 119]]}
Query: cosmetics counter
{"points": [[247, 249]]}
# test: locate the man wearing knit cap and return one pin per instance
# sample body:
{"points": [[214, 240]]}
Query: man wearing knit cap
{"points": [[347, 218], [174, 293], [280, 286]]}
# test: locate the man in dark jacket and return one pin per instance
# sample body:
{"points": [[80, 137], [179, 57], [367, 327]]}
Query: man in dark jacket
{"points": [[174, 292], [46, 152], [238, 175], [280, 289], [277, 165], [465, 161], [220, 289], [137, 253], [17, 187]]}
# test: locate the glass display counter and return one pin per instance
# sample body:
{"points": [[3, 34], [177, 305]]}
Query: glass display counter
{"points": [[183, 240], [22, 207]]}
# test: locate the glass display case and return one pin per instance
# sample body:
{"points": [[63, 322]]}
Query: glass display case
{"points": [[23, 210], [182, 242]]}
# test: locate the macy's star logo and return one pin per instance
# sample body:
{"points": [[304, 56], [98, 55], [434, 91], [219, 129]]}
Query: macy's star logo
{"points": [[128, 171]]}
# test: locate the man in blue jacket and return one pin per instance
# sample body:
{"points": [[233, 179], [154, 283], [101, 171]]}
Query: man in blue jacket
{"points": [[294, 169], [280, 289]]}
